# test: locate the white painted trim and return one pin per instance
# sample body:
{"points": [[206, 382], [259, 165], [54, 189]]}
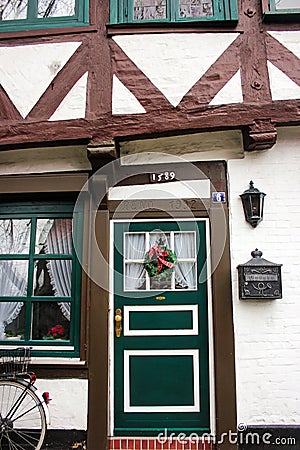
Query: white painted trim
{"points": [[163, 191], [212, 395], [65, 348], [158, 332], [46, 361], [150, 409], [111, 334]]}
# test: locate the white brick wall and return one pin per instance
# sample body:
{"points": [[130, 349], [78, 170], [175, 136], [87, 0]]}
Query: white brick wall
{"points": [[267, 333]]}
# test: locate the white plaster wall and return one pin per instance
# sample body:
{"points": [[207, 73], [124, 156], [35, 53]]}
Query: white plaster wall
{"points": [[267, 333], [73, 105], [174, 62], [282, 87], [68, 407], [44, 160], [31, 70]]}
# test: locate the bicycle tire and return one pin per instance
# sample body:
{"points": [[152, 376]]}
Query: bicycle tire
{"points": [[22, 417]]}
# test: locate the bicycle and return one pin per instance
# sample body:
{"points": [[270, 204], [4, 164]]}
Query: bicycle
{"points": [[23, 409]]}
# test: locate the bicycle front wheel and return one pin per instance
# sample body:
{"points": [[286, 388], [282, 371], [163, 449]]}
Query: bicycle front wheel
{"points": [[22, 417]]}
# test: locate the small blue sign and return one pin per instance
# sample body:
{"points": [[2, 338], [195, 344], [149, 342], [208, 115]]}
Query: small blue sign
{"points": [[218, 197]]}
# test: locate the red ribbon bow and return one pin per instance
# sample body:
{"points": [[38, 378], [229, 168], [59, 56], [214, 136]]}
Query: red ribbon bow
{"points": [[160, 254]]}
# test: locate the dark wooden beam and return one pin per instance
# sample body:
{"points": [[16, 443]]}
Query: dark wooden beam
{"points": [[261, 135], [150, 97], [8, 111], [108, 127], [214, 78], [61, 85]]}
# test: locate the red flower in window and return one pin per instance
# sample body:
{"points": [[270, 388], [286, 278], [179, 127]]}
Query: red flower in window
{"points": [[57, 331]]}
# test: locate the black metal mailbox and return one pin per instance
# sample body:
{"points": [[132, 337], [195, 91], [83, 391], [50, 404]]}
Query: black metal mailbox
{"points": [[259, 278]]}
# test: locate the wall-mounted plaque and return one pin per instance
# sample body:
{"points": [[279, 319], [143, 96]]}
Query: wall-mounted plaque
{"points": [[259, 278]]}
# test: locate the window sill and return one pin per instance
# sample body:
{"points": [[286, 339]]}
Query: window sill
{"points": [[281, 17], [46, 361], [171, 27], [48, 32], [58, 367]]}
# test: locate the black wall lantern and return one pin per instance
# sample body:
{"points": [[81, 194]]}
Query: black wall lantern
{"points": [[253, 204]]}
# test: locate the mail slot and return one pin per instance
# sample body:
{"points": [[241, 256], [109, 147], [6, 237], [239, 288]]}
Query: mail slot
{"points": [[259, 278]]}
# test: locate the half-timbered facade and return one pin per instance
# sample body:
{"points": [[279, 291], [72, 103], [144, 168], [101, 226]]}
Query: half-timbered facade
{"points": [[130, 128]]}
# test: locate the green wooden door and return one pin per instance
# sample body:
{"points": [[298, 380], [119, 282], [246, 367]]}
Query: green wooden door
{"points": [[161, 360]]}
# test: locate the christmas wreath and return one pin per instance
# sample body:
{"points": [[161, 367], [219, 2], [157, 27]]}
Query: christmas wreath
{"points": [[159, 261]]}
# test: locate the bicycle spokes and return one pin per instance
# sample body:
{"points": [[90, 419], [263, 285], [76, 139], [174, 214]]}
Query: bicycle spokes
{"points": [[22, 421]]}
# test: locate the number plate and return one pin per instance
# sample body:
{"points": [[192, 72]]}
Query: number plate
{"points": [[218, 197], [162, 177]]}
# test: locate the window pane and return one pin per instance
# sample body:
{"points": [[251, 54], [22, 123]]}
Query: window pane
{"points": [[51, 320], [196, 8], [15, 236], [185, 275], [13, 276], [13, 9], [12, 321], [150, 9], [184, 244], [56, 8], [160, 238], [135, 246], [135, 277], [161, 282], [53, 236], [287, 4], [53, 277]]}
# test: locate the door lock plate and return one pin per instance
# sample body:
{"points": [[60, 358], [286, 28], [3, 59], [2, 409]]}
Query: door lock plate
{"points": [[118, 322]]}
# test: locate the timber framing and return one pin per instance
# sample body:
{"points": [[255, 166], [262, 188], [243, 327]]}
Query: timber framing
{"points": [[101, 57], [107, 127]]}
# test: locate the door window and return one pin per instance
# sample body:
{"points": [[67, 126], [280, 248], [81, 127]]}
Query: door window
{"points": [[140, 247]]}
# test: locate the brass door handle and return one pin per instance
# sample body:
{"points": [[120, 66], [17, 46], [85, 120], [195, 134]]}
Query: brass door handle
{"points": [[118, 322]]}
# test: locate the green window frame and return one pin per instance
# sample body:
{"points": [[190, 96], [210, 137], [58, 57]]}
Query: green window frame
{"points": [[34, 321], [122, 11], [33, 22], [281, 14]]}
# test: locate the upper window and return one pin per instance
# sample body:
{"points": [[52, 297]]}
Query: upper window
{"points": [[34, 14], [151, 11], [284, 5], [39, 280], [285, 9]]}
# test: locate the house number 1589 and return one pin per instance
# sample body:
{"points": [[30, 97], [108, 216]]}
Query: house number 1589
{"points": [[162, 177]]}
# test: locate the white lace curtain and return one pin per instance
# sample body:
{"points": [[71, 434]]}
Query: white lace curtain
{"points": [[185, 271], [135, 273], [59, 241], [56, 236], [184, 248]]}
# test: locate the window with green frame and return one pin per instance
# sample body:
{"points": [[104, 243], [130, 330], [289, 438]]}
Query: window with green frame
{"points": [[40, 278], [17, 15], [151, 11], [283, 9]]}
